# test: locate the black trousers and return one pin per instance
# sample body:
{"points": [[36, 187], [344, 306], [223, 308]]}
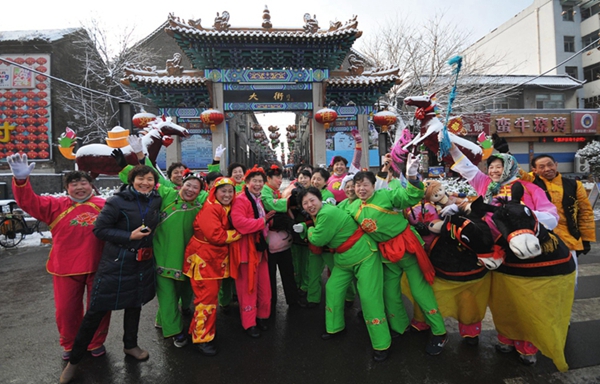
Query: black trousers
{"points": [[283, 260], [91, 322]]}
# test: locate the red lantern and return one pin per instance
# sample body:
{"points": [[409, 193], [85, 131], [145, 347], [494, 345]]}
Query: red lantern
{"points": [[19, 60], [9, 95], [384, 119], [32, 154], [41, 68], [42, 111], [42, 120], [42, 95], [31, 103], [212, 117], [19, 103], [29, 128], [30, 60], [10, 146], [19, 94], [326, 116], [20, 128], [41, 60], [20, 120], [8, 103], [43, 145], [32, 146], [41, 86], [42, 136], [43, 154], [30, 94], [41, 128], [42, 103]]}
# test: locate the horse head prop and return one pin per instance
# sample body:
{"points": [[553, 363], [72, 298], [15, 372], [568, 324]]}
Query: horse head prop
{"points": [[96, 159], [427, 113], [465, 244], [518, 224]]}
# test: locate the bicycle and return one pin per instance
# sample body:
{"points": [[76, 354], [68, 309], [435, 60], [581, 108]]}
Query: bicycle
{"points": [[14, 225]]}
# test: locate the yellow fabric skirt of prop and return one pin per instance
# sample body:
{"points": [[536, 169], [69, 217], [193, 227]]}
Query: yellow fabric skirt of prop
{"points": [[535, 309], [466, 301]]}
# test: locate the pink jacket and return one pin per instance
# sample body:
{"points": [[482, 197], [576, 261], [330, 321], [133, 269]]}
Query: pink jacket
{"points": [[242, 218], [535, 198]]}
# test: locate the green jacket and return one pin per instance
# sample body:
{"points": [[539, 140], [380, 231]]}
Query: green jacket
{"points": [[272, 201], [381, 216], [332, 228]]}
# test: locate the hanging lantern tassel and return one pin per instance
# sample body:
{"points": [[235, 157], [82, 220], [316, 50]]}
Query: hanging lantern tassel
{"points": [[445, 143]]}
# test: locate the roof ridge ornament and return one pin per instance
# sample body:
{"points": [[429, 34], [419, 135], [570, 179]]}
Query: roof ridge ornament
{"points": [[266, 19], [312, 25], [222, 22]]}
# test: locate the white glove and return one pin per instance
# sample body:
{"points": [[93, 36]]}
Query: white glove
{"points": [[19, 167], [219, 151], [412, 165], [298, 228], [330, 201], [136, 143], [449, 210]]}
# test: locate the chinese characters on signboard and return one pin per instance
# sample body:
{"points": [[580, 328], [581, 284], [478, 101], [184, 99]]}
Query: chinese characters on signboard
{"points": [[557, 125]]}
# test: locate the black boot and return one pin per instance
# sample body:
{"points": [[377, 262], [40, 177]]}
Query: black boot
{"points": [[262, 324], [380, 355], [207, 349], [253, 332]]}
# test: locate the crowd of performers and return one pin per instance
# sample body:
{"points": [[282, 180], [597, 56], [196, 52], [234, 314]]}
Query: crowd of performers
{"points": [[205, 239]]}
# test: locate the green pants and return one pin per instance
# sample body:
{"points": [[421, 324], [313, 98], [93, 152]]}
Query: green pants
{"points": [[226, 292], [316, 263], [421, 291], [369, 275], [300, 261], [169, 292]]}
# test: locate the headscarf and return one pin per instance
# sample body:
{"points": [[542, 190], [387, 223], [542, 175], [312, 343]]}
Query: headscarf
{"points": [[218, 183], [509, 173]]}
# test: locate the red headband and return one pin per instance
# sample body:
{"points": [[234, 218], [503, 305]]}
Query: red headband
{"points": [[255, 169]]}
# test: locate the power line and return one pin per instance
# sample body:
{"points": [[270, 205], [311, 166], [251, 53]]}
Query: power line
{"points": [[533, 78], [71, 84]]}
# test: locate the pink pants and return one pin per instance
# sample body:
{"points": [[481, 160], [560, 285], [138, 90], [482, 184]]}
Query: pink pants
{"points": [[257, 303], [522, 346], [68, 299]]}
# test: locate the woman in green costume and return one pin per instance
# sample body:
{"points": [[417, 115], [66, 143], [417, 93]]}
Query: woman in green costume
{"points": [[379, 213], [355, 256]]}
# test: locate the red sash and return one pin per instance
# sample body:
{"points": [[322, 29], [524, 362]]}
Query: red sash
{"points": [[349, 243], [395, 248]]}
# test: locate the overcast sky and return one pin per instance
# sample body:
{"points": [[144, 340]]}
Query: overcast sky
{"points": [[475, 16]]}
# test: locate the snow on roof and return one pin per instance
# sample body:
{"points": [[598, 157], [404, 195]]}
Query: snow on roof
{"points": [[168, 80], [361, 80], [48, 35], [550, 81]]}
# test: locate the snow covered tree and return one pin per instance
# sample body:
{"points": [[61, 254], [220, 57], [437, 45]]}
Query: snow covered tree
{"points": [[102, 55], [421, 51], [591, 153]]}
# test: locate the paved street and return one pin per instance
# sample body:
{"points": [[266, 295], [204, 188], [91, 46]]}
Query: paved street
{"points": [[290, 352]]}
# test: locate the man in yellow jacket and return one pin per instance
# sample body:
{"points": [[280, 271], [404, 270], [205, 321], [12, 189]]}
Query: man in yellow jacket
{"points": [[576, 226]]}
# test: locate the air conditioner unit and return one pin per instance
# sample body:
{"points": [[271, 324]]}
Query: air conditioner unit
{"points": [[580, 165]]}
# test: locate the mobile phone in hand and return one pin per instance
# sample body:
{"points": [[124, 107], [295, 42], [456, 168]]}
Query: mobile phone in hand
{"points": [[145, 230]]}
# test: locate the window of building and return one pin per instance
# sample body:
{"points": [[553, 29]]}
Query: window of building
{"points": [[590, 11], [550, 101], [567, 13], [592, 72], [589, 39], [569, 43], [498, 103], [572, 71]]}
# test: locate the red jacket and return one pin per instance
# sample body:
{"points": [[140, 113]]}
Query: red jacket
{"points": [[75, 249], [207, 253]]}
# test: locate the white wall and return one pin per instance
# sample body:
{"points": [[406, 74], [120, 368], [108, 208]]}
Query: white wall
{"points": [[524, 44]]}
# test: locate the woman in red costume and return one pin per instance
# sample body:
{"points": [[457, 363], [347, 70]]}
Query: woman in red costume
{"points": [[207, 261]]}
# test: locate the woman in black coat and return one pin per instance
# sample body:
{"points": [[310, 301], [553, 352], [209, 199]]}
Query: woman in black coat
{"points": [[125, 278]]}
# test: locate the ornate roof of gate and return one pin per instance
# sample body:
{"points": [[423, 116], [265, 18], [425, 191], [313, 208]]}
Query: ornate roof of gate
{"points": [[223, 46]]}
